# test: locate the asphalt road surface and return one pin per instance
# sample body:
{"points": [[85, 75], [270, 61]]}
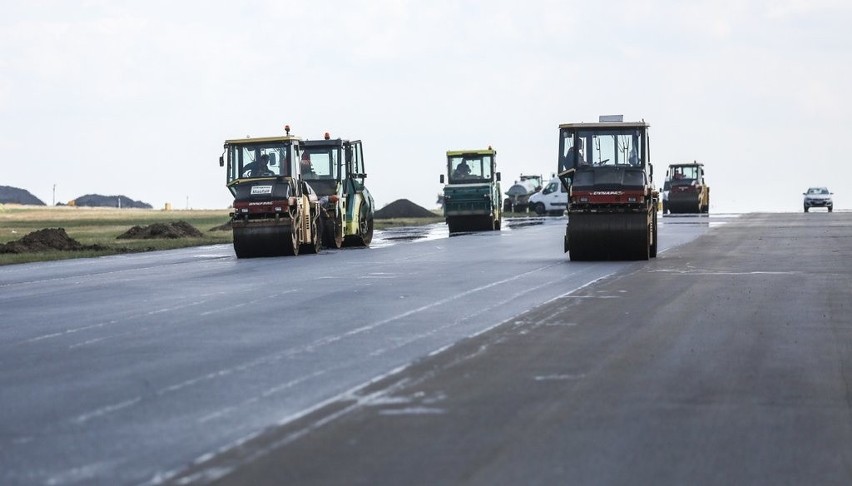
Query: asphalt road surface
{"points": [[483, 359]]}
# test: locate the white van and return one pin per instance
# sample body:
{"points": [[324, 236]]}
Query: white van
{"points": [[552, 199]]}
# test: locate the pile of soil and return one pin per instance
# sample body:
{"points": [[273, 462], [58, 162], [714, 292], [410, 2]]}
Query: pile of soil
{"points": [[403, 208], [222, 227], [13, 195], [173, 230], [46, 240]]}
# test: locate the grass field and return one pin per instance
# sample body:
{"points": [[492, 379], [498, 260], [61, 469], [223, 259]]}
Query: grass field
{"points": [[101, 226]]}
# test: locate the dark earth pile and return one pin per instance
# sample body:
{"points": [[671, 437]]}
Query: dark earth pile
{"points": [[174, 230], [403, 208], [46, 240], [13, 195], [222, 227], [98, 201]]}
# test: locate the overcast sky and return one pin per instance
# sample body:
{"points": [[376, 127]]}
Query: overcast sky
{"points": [[137, 97]]}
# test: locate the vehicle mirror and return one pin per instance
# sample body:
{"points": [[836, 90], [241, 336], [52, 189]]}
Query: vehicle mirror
{"points": [[442, 178], [498, 177], [221, 161]]}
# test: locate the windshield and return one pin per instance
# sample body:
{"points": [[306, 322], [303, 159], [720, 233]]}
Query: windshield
{"points": [[683, 174], [320, 163], [247, 161], [470, 168], [817, 190]]}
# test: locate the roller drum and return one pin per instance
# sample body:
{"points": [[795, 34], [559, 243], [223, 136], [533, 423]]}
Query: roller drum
{"points": [[463, 224], [264, 240], [608, 236]]}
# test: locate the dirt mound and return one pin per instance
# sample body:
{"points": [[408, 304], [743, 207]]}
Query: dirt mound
{"points": [[222, 227], [46, 240], [403, 208], [13, 195], [174, 230]]}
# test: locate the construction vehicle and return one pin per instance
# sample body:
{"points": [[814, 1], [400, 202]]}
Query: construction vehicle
{"points": [[472, 191], [275, 211], [551, 200], [612, 210], [334, 168], [520, 192], [685, 190]]}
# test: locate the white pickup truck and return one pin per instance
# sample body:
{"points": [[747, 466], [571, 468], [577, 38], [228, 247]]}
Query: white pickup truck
{"points": [[552, 199]]}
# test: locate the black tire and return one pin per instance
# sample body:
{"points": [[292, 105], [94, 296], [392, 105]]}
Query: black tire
{"points": [[365, 225], [806, 209], [365, 229], [830, 208], [291, 247], [539, 209], [333, 232], [314, 246]]}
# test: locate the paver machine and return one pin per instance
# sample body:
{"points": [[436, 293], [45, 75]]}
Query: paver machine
{"points": [[275, 211], [334, 168], [687, 192], [612, 208], [472, 191]]}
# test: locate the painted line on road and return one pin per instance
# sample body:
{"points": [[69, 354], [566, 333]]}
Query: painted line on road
{"points": [[81, 419], [712, 272], [266, 393]]}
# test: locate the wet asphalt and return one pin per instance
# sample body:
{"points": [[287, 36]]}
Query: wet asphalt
{"points": [[727, 360]]}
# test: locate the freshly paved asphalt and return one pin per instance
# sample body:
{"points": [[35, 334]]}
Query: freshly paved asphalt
{"points": [[129, 369], [727, 360]]}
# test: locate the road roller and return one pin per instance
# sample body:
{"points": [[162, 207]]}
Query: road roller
{"points": [[612, 208], [334, 168], [685, 189], [472, 191], [275, 212]]}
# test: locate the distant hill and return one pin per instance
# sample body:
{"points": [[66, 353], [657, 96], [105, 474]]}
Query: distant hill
{"points": [[13, 195], [98, 201]]}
